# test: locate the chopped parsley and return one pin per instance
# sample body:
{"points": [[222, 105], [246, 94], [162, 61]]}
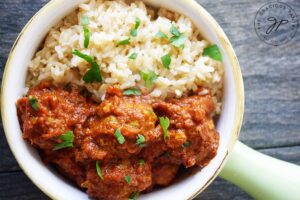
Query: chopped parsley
{"points": [[132, 91], [134, 196], [124, 42], [68, 139], [149, 78], [84, 23], [174, 31], [34, 103], [164, 123], [93, 74], [141, 162], [213, 52], [166, 61], [133, 31], [140, 140], [178, 39], [127, 179], [186, 144], [119, 136], [98, 169], [160, 34], [133, 56]]}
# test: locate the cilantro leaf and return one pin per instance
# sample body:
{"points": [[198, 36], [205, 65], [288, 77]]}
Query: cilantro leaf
{"points": [[92, 74], [148, 78], [84, 23], [134, 196], [68, 139], [133, 56], [186, 144], [178, 41], [127, 179], [141, 162], [124, 42], [160, 34], [119, 136], [164, 123], [166, 61], [132, 91], [213, 52], [34, 103], [98, 169], [174, 31], [140, 140], [133, 31]]}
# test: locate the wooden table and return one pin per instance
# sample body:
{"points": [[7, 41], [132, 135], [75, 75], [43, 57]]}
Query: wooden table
{"points": [[272, 87]]}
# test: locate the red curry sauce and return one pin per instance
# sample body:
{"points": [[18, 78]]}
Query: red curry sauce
{"points": [[191, 137]]}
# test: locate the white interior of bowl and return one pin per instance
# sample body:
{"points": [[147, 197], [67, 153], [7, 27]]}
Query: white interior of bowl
{"points": [[14, 84]]}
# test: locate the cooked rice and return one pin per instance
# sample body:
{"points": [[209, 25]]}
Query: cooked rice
{"points": [[110, 22]]}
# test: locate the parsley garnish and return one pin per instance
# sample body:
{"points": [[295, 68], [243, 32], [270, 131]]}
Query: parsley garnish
{"points": [[140, 140], [164, 123], [213, 52], [84, 23], [92, 74], [160, 34], [34, 103], [133, 31], [141, 162], [134, 196], [119, 136], [68, 139], [148, 78], [132, 91], [186, 144], [166, 61], [133, 56], [174, 31], [127, 179], [178, 39], [98, 169], [124, 42]]}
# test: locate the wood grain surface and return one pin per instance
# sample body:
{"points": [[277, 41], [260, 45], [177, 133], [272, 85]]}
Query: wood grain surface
{"points": [[272, 88]]}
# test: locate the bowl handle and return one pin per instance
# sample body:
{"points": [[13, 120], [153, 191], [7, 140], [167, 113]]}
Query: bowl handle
{"points": [[261, 176]]}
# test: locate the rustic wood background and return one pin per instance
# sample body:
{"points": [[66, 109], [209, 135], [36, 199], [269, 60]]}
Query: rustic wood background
{"points": [[272, 87]]}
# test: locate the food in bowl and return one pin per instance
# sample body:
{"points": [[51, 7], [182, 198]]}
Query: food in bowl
{"points": [[121, 95]]}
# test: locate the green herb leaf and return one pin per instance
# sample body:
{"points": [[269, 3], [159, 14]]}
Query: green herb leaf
{"points": [[134, 196], [148, 78], [140, 140], [178, 41], [137, 22], [34, 103], [164, 123], [132, 91], [124, 42], [133, 31], [92, 74], [128, 179], [160, 34], [133, 56], [166, 61], [119, 136], [68, 139], [174, 31], [98, 169], [84, 23], [213, 52], [141, 162], [186, 144]]}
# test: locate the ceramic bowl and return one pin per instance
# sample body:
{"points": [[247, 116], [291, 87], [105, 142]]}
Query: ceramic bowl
{"points": [[47, 179]]}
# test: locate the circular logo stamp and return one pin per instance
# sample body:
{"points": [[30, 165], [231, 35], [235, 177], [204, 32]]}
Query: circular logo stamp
{"points": [[276, 23]]}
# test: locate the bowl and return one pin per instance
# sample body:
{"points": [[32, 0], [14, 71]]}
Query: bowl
{"points": [[56, 187]]}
